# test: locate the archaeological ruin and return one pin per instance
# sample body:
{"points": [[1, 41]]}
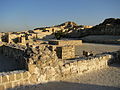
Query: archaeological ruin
{"points": [[41, 58]]}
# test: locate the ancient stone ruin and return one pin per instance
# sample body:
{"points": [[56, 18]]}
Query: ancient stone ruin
{"points": [[47, 62], [41, 61]]}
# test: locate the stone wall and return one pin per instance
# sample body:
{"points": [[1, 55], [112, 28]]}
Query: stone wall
{"points": [[66, 52], [44, 66], [65, 42], [13, 79]]}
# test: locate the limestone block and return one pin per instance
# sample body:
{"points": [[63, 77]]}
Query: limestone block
{"points": [[67, 65], [42, 78], [65, 52], [18, 76], [33, 79], [21, 82], [65, 42], [33, 69], [16, 83], [11, 77], [26, 82], [0, 79], [2, 87], [25, 75], [8, 85], [4, 79]]}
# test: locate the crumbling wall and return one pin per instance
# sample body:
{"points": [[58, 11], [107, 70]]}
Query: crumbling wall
{"points": [[44, 66]]}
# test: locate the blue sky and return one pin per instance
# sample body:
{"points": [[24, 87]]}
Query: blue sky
{"points": [[18, 15]]}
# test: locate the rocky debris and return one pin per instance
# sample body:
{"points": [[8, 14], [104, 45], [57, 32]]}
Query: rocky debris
{"points": [[87, 54]]}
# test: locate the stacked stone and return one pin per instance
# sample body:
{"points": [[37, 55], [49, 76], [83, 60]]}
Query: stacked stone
{"points": [[66, 52], [14, 79], [42, 54]]}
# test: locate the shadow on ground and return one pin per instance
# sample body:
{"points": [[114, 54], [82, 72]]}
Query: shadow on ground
{"points": [[64, 86], [115, 65]]}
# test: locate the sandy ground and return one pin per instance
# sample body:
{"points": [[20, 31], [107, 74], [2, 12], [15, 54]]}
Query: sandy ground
{"points": [[105, 77], [96, 48]]}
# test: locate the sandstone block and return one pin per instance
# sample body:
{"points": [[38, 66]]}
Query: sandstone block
{"points": [[32, 68], [67, 65], [4, 79], [25, 75], [21, 82], [26, 82], [0, 79], [8, 85], [11, 77], [15, 84], [2, 87], [33, 79], [18, 76], [65, 42]]}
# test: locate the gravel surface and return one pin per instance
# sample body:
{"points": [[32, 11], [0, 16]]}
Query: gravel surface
{"points": [[105, 77], [96, 48]]}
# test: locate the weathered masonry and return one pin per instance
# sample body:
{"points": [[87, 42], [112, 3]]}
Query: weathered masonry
{"points": [[42, 65]]}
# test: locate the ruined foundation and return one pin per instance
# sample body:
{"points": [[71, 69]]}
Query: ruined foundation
{"points": [[45, 63]]}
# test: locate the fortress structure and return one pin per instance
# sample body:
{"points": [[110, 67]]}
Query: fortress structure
{"points": [[42, 61]]}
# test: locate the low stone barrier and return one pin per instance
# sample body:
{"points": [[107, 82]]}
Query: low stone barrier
{"points": [[13, 79], [65, 42]]}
